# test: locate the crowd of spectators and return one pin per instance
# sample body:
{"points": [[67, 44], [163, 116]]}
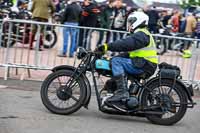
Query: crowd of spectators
{"points": [[112, 15]]}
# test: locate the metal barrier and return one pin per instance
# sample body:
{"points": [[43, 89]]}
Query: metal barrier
{"points": [[15, 52]]}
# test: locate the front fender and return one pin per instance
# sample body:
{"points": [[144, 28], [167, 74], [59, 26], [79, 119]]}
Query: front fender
{"points": [[63, 67], [86, 81]]}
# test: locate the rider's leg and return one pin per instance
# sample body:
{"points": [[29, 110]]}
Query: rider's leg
{"points": [[121, 66]]}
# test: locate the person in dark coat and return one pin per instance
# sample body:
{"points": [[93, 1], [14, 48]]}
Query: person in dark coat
{"points": [[153, 20], [119, 19], [106, 20], [88, 19], [71, 17]]}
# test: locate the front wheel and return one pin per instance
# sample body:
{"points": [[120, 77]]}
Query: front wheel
{"points": [[60, 98], [169, 97]]}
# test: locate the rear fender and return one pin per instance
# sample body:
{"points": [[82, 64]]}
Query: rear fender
{"points": [[86, 81], [188, 90]]}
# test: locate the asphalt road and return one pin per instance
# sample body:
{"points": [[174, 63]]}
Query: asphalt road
{"points": [[22, 112]]}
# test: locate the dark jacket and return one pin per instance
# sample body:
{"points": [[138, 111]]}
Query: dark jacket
{"points": [[107, 17], [89, 15], [72, 13], [153, 17], [135, 41]]}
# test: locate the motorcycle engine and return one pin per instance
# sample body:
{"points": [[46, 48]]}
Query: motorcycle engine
{"points": [[132, 102], [110, 86]]}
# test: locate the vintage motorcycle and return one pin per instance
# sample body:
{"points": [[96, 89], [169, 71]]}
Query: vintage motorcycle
{"points": [[163, 99]]}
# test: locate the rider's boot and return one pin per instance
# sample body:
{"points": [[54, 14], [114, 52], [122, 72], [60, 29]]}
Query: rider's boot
{"points": [[122, 89], [31, 40]]}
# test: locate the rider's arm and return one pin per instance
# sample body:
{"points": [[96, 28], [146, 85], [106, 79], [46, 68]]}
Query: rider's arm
{"points": [[133, 42]]}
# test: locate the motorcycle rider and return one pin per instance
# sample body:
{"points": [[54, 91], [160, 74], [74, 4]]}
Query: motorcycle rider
{"points": [[139, 54]]}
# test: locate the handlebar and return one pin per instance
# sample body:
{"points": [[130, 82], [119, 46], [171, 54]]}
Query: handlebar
{"points": [[82, 52]]}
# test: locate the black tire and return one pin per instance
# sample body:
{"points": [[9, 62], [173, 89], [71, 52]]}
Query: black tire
{"points": [[51, 107], [157, 119], [50, 39]]}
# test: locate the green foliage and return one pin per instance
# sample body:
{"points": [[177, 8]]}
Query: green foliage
{"points": [[190, 3]]}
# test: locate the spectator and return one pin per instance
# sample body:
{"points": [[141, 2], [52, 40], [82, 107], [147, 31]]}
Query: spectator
{"points": [[198, 28], [175, 21], [189, 29], [40, 10], [88, 19], [153, 20], [6, 2], [21, 3], [57, 5], [182, 23], [165, 18], [190, 24], [71, 17], [119, 19], [106, 20]]}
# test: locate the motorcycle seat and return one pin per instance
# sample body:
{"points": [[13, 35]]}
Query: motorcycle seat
{"points": [[143, 75]]}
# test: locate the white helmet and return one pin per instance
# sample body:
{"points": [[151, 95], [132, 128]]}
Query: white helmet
{"points": [[137, 19]]}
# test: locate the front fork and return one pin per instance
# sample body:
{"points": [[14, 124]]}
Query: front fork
{"points": [[96, 91]]}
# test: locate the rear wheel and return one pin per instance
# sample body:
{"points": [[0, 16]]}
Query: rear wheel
{"points": [[60, 98], [170, 98]]}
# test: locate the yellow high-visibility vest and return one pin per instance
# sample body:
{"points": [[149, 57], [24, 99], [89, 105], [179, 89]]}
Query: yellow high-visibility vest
{"points": [[149, 53]]}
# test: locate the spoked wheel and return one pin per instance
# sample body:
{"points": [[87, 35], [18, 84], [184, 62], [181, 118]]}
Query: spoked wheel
{"points": [[169, 98], [50, 39], [58, 96]]}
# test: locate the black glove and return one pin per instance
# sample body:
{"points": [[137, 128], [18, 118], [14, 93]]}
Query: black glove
{"points": [[102, 48]]}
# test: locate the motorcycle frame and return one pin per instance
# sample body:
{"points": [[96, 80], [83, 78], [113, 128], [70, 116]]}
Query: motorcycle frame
{"points": [[87, 64]]}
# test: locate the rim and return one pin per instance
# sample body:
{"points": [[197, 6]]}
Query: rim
{"points": [[167, 98], [57, 96]]}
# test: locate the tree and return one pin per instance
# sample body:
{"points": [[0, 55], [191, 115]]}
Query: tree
{"points": [[189, 3]]}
